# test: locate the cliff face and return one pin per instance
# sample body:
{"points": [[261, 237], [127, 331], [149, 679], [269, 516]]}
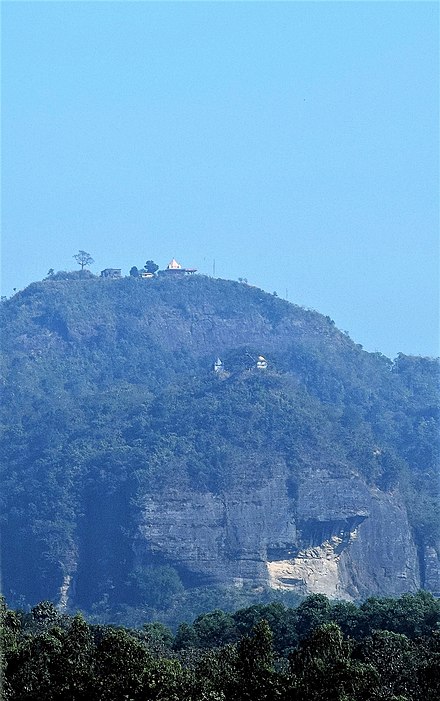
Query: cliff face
{"points": [[126, 455], [340, 538]]}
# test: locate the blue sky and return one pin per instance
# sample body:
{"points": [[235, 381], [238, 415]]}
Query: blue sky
{"points": [[294, 143]]}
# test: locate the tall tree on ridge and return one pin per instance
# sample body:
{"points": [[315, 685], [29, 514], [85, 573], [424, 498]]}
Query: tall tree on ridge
{"points": [[83, 258]]}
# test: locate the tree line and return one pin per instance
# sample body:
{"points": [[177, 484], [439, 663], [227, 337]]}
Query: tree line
{"points": [[385, 649]]}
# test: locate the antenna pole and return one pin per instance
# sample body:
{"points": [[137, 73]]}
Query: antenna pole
{"points": [[213, 268]]}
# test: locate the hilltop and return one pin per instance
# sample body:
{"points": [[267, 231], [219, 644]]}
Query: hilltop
{"points": [[137, 478]]}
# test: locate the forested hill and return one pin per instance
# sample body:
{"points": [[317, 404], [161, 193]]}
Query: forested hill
{"points": [[134, 476]]}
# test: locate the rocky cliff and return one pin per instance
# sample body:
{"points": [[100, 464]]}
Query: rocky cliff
{"points": [[130, 465], [340, 538]]}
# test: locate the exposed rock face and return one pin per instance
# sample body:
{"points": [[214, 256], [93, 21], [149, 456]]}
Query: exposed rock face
{"points": [[217, 538], [313, 570], [63, 598], [431, 563], [339, 538]]}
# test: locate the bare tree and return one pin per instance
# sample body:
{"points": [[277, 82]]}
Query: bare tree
{"points": [[83, 258]]}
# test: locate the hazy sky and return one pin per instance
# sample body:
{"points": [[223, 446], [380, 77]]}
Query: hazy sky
{"points": [[294, 143]]}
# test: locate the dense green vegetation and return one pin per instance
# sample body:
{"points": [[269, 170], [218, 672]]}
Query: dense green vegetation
{"points": [[385, 650], [108, 392]]}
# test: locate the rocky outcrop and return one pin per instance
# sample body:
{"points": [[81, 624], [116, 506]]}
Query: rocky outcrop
{"points": [[431, 568], [220, 538], [338, 537]]}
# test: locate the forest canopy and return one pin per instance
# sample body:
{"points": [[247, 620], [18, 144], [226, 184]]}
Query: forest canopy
{"points": [[384, 649]]}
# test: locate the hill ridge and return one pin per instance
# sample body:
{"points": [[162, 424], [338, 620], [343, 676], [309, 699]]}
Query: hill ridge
{"points": [[148, 466]]}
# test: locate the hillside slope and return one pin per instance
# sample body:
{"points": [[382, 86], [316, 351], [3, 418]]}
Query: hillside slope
{"points": [[133, 473]]}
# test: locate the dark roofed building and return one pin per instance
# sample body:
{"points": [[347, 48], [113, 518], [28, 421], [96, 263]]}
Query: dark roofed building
{"points": [[111, 272]]}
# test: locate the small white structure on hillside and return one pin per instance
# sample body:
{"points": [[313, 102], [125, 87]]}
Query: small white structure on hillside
{"points": [[261, 363], [174, 265], [175, 269], [218, 365]]}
